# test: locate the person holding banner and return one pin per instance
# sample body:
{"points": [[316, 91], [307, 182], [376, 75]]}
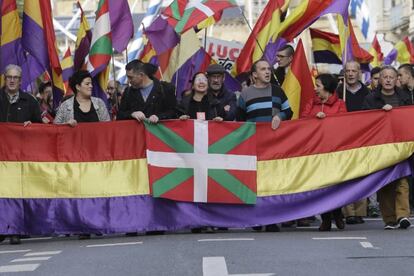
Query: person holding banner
{"points": [[82, 107], [199, 104], [325, 103], [146, 98], [394, 197]]}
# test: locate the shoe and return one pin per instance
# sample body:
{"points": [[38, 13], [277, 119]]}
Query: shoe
{"points": [[257, 228], [222, 228], [403, 223], [339, 222], [131, 234], [210, 230], [373, 212], [302, 223], [359, 220], [311, 219], [84, 236], [196, 230], [15, 239], [288, 223], [325, 226], [154, 233], [351, 220], [2, 238], [272, 228], [390, 226]]}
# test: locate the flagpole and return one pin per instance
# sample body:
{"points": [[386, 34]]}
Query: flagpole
{"points": [[115, 85], [344, 67], [251, 30]]}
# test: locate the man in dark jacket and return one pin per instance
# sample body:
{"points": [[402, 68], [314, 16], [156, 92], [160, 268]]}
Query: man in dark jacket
{"points": [[355, 94], [216, 88], [18, 107], [393, 198], [146, 98], [15, 105]]}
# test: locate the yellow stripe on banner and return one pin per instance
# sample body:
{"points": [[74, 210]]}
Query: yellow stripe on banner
{"points": [[307, 173], [73, 180], [12, 28]]}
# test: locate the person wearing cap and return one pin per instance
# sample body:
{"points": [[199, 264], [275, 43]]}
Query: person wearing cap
{"points": [[216, 88], [146, 98]]}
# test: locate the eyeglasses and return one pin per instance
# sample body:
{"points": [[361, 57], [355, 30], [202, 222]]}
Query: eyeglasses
{"points": [[12, 77]]}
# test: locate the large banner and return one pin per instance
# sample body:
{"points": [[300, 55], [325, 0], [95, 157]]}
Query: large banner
{"points": [[94, 177]]}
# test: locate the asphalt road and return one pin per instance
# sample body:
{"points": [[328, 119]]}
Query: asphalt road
{"points": [[364, 249]]}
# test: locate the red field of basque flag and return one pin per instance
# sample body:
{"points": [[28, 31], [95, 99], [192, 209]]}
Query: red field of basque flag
{"points": [[200, 161]]}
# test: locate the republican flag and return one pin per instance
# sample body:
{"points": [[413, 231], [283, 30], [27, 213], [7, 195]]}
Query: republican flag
{"points": [[67, 70], [376, 52], [266, 26], [11, 50], [403, 52], [358, 53], [161, 35], [326, 47], [83, 42], [298, 84], [38, 30], [194, 12], [300, 18], [201, 161]]}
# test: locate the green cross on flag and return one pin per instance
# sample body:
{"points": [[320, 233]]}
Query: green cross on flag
{"points": [[201, 161]]}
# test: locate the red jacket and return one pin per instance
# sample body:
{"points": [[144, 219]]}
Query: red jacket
{"points": [[332, 106]]}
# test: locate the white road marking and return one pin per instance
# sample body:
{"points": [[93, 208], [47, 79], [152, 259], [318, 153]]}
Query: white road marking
{"points": [[366, 245], [234, 239], [216, 266], [113, 244], [30, 259], [340, 238], [43, 253], [14, 251], [18, 268]]}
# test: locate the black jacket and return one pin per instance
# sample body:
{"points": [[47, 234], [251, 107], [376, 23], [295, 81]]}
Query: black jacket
{"points": [[354, 101], [161, 102], [211, 106], [375, 101], [226, 97], [25, 109]]}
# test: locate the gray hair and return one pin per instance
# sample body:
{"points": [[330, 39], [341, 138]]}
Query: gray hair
{"points": [[13, 67], [388, 67]]}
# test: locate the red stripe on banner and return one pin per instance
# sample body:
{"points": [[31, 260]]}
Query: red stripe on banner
{"points": [[334, 133], [87, 142]]}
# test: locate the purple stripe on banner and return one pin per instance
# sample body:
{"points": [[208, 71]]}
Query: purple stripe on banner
{"points": [[144, 213], [271, 50], [161, 35], [326, 57], [391, 57], [33, 41]]}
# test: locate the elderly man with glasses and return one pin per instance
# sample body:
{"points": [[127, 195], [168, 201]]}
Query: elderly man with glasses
{"points": [[17, 106]]}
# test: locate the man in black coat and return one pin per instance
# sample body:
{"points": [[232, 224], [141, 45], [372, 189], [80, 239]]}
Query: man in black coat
{"points": [[394, 197], [15, 105], [146, 98]]}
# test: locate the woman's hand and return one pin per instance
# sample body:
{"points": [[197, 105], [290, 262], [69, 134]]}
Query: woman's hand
{"points": [[72, 122], [27, 123], [184, 117], [218, 119], [387, 107], [320, 115]]}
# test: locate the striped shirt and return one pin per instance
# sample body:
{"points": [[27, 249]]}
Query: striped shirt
{"points": [[262, 104]]}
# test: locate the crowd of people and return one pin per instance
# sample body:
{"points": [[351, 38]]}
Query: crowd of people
{"points": [[261, 100]]}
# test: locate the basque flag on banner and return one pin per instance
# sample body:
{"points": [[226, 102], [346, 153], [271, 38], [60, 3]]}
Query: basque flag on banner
{"points": [[202, 161]]}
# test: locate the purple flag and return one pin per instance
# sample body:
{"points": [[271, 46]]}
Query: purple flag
{"points": [[122, 27], [161, 35]]}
